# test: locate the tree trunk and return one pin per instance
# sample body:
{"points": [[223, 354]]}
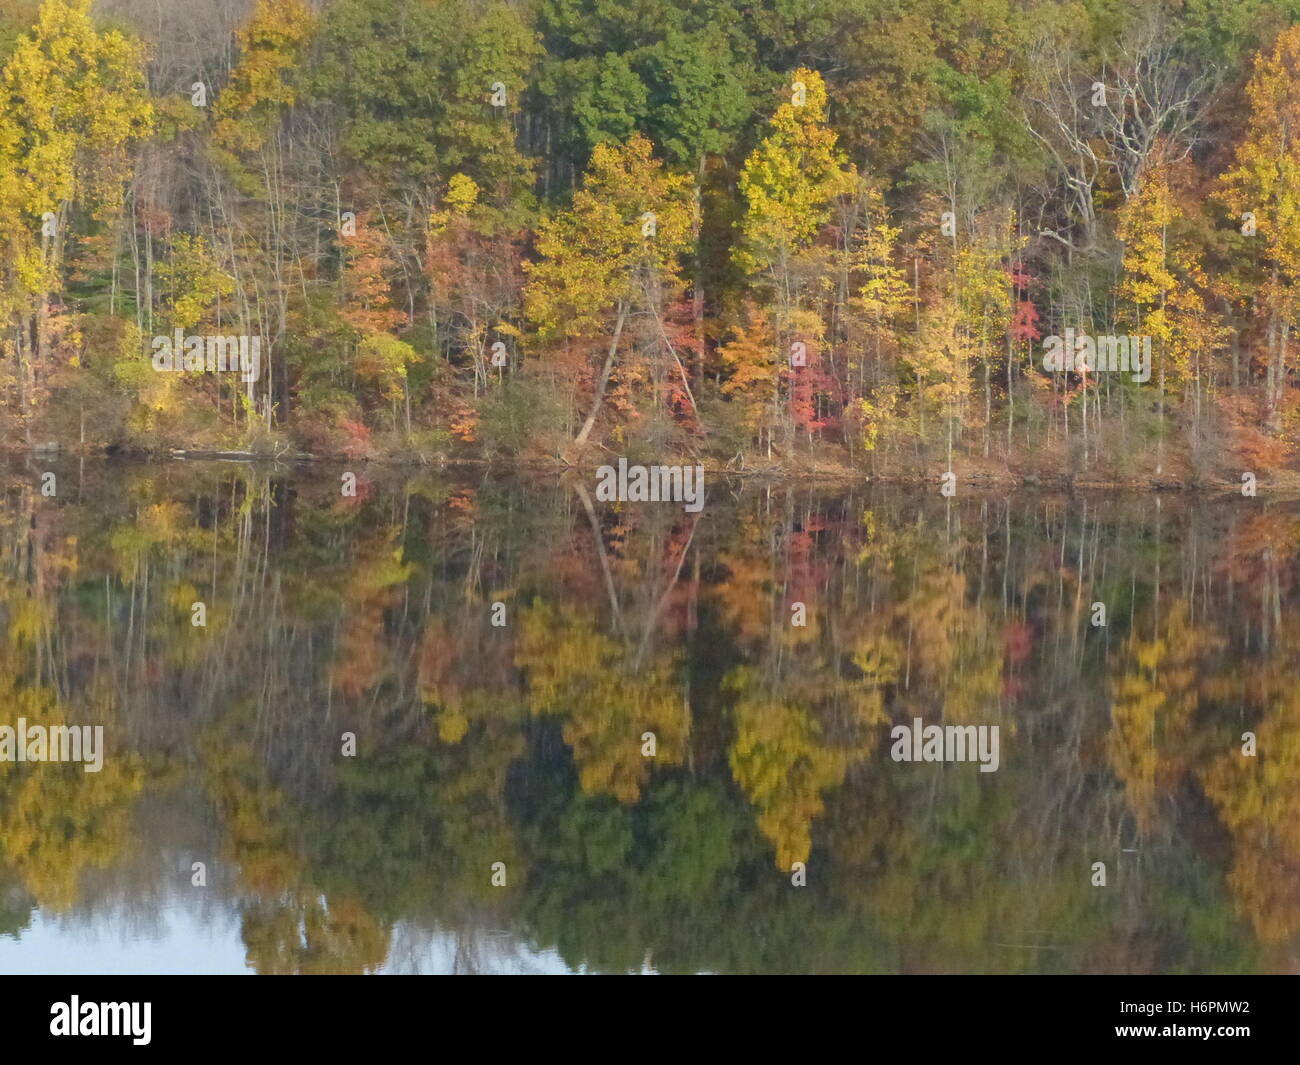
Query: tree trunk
{"points": [[599, 398]]}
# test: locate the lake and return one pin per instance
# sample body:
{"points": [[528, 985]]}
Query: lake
{"points": [[474, 722]]}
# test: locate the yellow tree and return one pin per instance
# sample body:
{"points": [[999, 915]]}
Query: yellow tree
{"points": [[1164, 282], [258, 201], [940, 363], [72, 100], [270, 45], [881, 300], [1148, 280], [984, 294], [191, 281], [1265, 182], [790, 183], [614, 252]]}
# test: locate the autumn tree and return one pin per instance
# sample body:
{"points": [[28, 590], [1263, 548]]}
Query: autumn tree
{"points": [[382, 360], [614, 254], [72, 102], [789, 183], [1264, 183]]}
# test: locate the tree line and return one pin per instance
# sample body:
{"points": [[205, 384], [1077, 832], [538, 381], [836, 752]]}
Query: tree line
{"points": [[831, 235]]}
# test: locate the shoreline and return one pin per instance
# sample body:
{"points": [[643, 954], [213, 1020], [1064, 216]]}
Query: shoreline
{"points": [[1284, 481]]}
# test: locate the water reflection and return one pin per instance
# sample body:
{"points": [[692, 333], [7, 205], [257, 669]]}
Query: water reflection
{"points": [[523, 743]]}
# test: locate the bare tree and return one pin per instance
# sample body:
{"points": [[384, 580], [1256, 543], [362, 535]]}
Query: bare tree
{"points": [[1149, 92]]}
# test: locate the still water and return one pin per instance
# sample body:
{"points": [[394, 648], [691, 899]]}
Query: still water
{"points": [[473, 723]]}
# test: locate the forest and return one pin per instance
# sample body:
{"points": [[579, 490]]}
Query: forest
{"points": [[461, 256], [833, 237]]}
